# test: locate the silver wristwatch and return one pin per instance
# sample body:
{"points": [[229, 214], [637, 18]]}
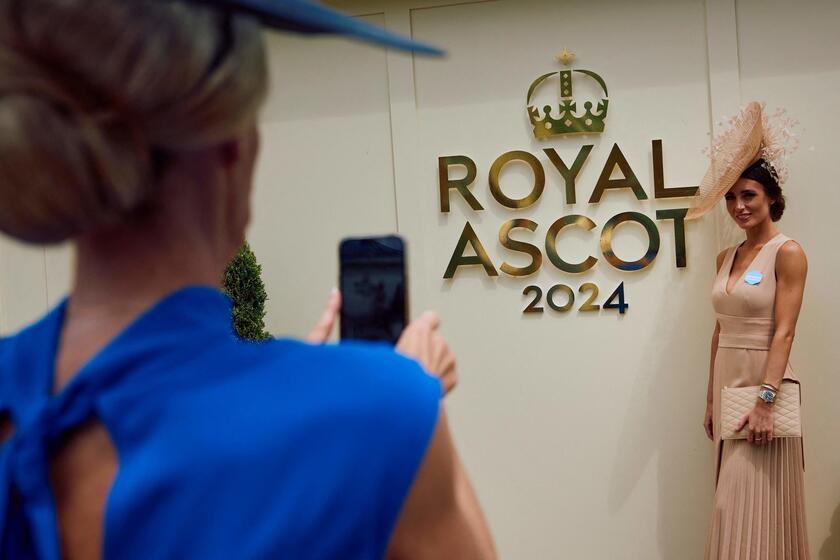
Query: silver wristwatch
{"points": [[767, 395]]}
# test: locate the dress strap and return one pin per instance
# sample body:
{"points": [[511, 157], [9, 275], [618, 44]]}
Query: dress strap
{"points": [[771, 249], [778, 241]]}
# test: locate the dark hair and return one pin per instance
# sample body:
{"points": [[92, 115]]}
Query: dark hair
{"points": [[763, 172]]}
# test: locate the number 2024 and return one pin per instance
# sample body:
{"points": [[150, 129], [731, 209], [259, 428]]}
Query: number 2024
{"points": [[569, 299]]}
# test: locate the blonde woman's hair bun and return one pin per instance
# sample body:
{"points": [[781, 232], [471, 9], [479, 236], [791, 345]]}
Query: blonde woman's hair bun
{"points": [[92, 91]]}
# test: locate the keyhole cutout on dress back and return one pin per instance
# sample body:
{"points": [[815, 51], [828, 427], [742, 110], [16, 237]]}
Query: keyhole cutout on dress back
{"points": [[7, 427], [82, 472]]}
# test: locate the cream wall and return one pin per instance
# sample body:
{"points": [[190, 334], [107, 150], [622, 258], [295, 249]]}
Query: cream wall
{"points": [[568, 422], [581, 431], [326, 169], [797, 68]]}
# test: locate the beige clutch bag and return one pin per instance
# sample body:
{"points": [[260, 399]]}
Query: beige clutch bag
{"points": [[737, 402]]}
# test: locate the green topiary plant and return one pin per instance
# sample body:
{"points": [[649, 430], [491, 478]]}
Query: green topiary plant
{"points": [[243, 284]]}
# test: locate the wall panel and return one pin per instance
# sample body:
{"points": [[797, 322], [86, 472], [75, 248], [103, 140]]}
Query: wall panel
{"points": [[580, 429], [788, 59], [325, 170], [23, 290]]}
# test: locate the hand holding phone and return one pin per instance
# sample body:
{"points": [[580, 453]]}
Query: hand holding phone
{"points": [[421, 341], [322, 330], [373, 288]]}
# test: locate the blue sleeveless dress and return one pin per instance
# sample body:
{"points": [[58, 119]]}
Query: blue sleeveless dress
{"points": [[226, 449]]}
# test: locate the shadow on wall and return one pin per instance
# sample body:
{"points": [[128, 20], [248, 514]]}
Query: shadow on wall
{"points": [[663, 423], [831, 547]]}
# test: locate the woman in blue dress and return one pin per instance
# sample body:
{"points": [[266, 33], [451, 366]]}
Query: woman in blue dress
{"points": [[132, 423]]}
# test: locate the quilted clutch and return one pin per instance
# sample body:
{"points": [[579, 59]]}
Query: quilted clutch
{"points": [[737, 402]]}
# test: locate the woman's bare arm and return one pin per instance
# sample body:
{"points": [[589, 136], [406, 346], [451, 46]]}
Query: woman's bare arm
{"points": [[715, 334], [441, 517], [791, 271], [708, 422]]}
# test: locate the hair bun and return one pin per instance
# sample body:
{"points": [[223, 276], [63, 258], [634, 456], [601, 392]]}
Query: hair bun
{"points": [[92, 90], [63, 173]]}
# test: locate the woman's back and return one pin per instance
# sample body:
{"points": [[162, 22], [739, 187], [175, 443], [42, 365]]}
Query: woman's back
{"points": [[225, 448]]}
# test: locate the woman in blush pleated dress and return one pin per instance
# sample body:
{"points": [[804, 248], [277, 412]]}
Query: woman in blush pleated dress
{"points": [[759, 511]]}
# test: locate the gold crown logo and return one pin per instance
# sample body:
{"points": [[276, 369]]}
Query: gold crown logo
{"points": [[566, 120]]}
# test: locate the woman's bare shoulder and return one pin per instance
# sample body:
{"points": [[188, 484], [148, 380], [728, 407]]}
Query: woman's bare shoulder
{"points": [[791, 258], [720, 258]]}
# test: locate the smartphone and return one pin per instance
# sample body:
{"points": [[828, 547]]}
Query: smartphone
{"points": [[373, 288]]}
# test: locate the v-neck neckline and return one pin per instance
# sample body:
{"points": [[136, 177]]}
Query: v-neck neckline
{"points": [[726, 289]]}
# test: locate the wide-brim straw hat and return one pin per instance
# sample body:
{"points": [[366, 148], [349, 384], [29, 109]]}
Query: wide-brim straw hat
{"points": [[735, 150]]}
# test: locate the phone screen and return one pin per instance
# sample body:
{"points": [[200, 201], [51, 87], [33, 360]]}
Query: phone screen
{"points": [[373, 288]]}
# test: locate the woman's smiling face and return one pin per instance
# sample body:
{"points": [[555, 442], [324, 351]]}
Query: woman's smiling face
{"points": [[747, 203]]}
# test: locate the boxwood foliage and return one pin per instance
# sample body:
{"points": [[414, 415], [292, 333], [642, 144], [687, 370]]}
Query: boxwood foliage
{"points": [[243, 284]]}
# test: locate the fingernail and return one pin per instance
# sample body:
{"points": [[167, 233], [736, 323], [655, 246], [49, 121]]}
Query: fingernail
{"points": [[333, 291]]}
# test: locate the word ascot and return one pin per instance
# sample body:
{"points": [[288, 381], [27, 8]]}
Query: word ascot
{"points": [[569, 174]]}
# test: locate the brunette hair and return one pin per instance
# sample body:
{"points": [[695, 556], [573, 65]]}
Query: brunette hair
{"points": [[763, 172]]}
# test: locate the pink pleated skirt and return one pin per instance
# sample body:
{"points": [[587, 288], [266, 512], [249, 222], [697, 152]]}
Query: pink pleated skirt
{"points": [[759, 513], [759, 506]]}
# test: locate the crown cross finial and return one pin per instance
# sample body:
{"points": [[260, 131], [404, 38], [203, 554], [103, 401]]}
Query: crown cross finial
{"points": [[566, 57]]}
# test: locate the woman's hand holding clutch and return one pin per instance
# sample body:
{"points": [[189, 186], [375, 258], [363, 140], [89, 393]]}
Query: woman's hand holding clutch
{"points": [[760, 421]]}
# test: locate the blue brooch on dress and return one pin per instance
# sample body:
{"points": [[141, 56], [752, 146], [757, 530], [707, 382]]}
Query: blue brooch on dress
{"points": [[753, 277]]}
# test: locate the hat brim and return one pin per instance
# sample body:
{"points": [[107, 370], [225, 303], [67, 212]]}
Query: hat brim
{"points": [[738, 148], [304, 16]]}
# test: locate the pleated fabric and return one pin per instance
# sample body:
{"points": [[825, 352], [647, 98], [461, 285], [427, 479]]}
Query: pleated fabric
{"points": [[759, 512], [759, 509]]}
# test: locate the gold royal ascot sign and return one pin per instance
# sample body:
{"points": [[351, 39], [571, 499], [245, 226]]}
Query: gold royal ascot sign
{"points": [[550, 123]]}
